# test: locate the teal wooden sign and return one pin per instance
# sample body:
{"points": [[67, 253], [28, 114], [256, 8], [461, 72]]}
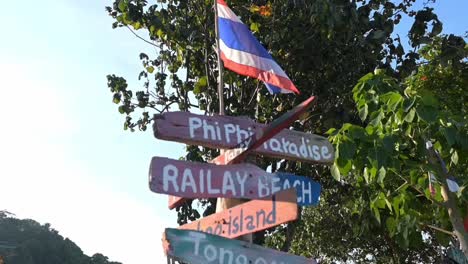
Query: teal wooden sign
{"points": [[201, 248], [457, 256]]}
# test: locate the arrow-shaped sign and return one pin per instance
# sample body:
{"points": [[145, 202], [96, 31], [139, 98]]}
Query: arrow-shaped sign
{"points": [[200, 248], [228, 132], [242, 181], [249, 217]]}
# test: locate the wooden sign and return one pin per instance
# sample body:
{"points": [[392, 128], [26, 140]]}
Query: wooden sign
{"points": [[227, 132], [242, 181], [249, 217], [200, 248], [175, 201]]}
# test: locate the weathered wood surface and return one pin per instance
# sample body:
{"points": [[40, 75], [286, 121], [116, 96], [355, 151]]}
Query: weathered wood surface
{"points": [[242, 181], [201, 248], [249, 217], [175, 201], [227, 132]]}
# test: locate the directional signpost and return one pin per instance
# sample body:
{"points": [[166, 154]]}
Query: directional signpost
{"points": [[201, 248], [274, 196], [242, 181]]}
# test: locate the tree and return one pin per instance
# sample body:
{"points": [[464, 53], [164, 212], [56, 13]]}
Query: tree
{"points": [[24, 241], [386, 162], [324, 46]]}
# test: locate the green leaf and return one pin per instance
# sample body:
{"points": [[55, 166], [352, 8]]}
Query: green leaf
{"points": [[428, 98], [357, 132], [427, 113], [450, 135], [376, 118], [391, 225], [382, 173], [137, 25], [344, 166], [122, 109], [150, 69], [330, 131], [380, 201], [436, 28], [408, 103], [116, 98], [160, 33], [366, 175], [347, 150], [200, 85], [389, 205], [335, 172], [122, 5], [370, 129], [410, 116], [376, 214], [366, 77], [203, 81], [254, 27], [363, 111], [455, 157], [391, 100]]}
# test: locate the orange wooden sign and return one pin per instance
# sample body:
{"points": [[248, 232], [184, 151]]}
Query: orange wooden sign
{"points": [[249, 217]]}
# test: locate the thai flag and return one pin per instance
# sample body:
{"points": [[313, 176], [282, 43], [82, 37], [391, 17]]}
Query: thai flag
{"points": [[242, 53]]}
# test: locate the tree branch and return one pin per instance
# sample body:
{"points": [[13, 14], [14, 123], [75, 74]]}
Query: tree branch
{"points": [[421, 192], [438, 229], [141, 37]]}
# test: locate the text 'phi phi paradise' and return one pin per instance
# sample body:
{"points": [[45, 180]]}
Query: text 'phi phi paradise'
{"points": [[229, 132]]}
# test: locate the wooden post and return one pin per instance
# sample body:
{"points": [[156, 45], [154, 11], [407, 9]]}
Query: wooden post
{"points": [[220, 63]]}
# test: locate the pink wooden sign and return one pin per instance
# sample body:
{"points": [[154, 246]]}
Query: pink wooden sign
{"points": [[241, 181], [205, 180], [227, 132]]}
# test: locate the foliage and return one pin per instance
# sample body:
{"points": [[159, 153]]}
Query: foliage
{"points": [[315, 42], [325, 47], [331, 233], [25, 241], [384, 159]]}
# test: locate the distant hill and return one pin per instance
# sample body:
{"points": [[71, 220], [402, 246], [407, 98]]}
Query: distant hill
{"points": [[25, 241]]}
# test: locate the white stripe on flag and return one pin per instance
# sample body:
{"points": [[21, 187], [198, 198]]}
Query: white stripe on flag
{"points": [[226, 12], [252, 60]]}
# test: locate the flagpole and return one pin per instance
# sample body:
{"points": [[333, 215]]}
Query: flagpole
{"points": [[223, 204], [220, 63]]}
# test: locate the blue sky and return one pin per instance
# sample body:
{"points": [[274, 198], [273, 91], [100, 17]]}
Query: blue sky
{"points": [[65, 158]]}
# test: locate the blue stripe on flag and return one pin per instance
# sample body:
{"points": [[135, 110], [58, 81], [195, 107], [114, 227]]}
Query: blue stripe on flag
{"points": [[238, 36], [273, 89]]}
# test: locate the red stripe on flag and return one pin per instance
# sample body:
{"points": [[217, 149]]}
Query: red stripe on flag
{"points": [[221, 2], [268, 77]]}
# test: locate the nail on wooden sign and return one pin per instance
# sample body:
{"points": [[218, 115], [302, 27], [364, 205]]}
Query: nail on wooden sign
{"points": [[201, 248], [249, 217], [242, 181]]}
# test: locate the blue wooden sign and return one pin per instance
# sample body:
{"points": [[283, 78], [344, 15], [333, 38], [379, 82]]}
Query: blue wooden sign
{"points": [[307, 190]]}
